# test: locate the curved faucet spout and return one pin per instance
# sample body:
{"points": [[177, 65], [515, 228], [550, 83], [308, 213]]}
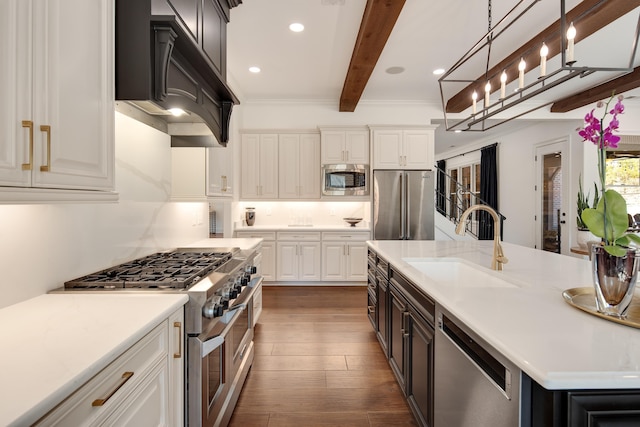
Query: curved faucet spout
{"points": [[498, 255]]}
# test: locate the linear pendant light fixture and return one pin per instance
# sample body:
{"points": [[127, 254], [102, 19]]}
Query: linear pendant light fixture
{"points": [[547, 61]]}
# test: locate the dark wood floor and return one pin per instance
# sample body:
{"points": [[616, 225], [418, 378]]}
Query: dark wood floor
{"points": [[318, 363]]}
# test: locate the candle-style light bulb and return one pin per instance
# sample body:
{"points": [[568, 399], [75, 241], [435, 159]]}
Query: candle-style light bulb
{"points": [[521, 66], [571, 35], [503, 82], [487, 93], [544, 51], [474, 97]]}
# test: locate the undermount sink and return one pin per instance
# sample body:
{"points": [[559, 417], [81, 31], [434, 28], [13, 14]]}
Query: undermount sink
{"points": [[449, 271]]}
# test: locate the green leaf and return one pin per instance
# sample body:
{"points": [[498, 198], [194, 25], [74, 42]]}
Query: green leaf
{"points": [[616, 212], [616, 250]]}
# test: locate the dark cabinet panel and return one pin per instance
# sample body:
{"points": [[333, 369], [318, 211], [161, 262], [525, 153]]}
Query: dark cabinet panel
{"points": [[420, 372], [214, 35], [578, 408], [187, 12], [397, 338], [383, 310]]}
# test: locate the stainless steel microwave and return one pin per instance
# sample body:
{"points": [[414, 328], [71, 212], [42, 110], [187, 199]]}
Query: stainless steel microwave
{"points": [[345, 180]]}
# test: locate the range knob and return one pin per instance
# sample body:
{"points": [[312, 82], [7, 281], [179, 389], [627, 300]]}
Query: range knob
{"points": [[212, 308], [251, 269]]}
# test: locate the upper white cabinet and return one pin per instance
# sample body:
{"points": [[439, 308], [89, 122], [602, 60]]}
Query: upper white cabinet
{"points": [[56, 85], [220, 171], [344, 146], [299, 166], [403, 148], [259, 166]]}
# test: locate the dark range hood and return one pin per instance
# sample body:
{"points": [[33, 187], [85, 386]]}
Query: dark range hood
{"points": [[172, 54]]}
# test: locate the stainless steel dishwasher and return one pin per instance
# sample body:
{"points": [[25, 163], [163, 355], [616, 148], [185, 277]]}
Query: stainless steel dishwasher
{"points": [[475, 386]]}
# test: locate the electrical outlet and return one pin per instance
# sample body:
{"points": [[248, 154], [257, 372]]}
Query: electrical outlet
{"points": [[268, 211], [332, 211]]}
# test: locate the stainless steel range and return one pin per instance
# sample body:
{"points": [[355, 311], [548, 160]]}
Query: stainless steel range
{"points": [[221, 284]]}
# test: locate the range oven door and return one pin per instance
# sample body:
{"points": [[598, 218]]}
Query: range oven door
{"points": [[218, 361]]}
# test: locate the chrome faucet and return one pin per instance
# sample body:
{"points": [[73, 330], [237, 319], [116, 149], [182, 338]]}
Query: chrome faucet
{"points": [[498, 255]]}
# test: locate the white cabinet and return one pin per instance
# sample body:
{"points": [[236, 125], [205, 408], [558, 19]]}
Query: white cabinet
{"points": [[177, 341], [267, 267], [344, 146], [395, 148], [298, 256], [56, 81], [142, 387], [344, 256], [220, 171], [259, 166], [299, 166]]}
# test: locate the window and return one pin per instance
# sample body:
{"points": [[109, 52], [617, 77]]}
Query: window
{"points": [[464, 188], [623, 175]]}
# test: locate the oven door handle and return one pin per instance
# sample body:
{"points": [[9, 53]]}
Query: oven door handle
{"points": [[215, 338]]}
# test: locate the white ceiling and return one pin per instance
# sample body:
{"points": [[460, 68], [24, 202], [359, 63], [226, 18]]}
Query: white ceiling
{"points": [[312, 65]]}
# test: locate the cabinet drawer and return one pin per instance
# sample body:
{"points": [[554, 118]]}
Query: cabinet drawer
{"points": [[297, 236], [113, 384], [346, 236], [265, 235]]}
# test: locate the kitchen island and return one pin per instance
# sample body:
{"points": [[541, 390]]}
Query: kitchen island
{"points": [[521, 314]]}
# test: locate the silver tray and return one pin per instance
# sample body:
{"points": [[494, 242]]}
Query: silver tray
{"points": [[585, 300]]}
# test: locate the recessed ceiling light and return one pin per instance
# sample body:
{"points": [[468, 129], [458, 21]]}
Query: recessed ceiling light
{"points": [[177, 111], [438, 71], [296, 27], [395, 70], [254, 69], [458, 131]]}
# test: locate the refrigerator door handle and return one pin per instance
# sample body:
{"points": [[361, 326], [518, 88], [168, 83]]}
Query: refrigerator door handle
{"points": [[403, 206], [406, 204]]}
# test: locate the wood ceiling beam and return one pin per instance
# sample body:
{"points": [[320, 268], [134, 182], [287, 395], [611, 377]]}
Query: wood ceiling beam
{"points": [[588, 17], [619, 85], [378, 20]]}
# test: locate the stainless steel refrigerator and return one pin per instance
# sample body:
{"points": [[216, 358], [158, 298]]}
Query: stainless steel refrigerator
{"points": [[403, 204]]}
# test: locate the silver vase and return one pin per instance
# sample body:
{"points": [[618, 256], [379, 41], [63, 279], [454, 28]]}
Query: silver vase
{"points": [[614, 279]]}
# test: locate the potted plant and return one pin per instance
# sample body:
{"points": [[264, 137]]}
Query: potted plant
{"points": [[615, 261], [584, 235]]}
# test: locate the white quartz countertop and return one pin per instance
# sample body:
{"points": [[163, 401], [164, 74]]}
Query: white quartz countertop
{"points": [[285, 227], [54, 343], [242, 243], [557, 345]]}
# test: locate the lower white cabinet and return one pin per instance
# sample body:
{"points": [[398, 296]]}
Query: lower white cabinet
{"points": [[298, 256], [267, 268], [344, 256], [142, 387]]}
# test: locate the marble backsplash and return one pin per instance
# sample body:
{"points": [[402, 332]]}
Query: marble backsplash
{"points": [[44, 245]]}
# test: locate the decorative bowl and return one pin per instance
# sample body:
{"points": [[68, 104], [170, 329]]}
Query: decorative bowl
{"points": [[352, 221]]}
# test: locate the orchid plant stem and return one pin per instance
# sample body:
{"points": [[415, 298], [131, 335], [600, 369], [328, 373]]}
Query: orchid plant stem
{"points": [[601, 169]]}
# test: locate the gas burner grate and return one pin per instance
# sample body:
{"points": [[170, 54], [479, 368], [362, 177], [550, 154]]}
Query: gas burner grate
{"points": [[164, 270]]}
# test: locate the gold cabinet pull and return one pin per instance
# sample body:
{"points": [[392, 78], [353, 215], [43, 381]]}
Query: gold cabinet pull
{"points": [[47, 130], [178, 325], [125, 377], [28, 124]]}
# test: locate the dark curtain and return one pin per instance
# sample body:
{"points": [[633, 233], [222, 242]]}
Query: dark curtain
{"points": [[440, 187], [488, 189]]}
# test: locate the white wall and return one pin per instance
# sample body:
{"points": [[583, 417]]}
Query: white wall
{"points": [[45, 245], [517, 174]]}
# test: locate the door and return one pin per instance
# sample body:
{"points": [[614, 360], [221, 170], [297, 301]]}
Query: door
{"points": [[356, 261], [73, 94], [15, 91], [552, 197], [387, 197], [289, 162], [420, 208]]}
